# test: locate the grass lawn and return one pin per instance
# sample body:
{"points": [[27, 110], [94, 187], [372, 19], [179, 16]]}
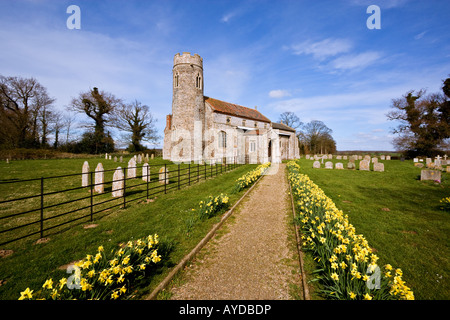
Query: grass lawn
{"points": [[399, 215], [169, 216]]}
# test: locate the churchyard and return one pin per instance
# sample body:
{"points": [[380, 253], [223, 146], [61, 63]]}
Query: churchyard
{"points": [[30, 261], [400, 216]]}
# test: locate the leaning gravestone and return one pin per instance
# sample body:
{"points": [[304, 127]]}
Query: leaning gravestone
{"points": [[430, 175], [339, 165], [164, 176], [99, 178], [378, 166], [146, 172], [117, 184], [364, 165], [328, 165], [351, 165], [131, 173], [316, 164], [85, 174]]}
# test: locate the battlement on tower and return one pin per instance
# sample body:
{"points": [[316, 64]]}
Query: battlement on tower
{"points": [[186, 57]]}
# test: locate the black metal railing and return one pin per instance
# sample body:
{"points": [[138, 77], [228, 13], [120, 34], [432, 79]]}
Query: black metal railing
{"points": [[43, 210]]}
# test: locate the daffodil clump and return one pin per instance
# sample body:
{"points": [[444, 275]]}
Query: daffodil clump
{"points": [[212, 206], [250, 177], [101, 276], [347, 266], [445, 204]]}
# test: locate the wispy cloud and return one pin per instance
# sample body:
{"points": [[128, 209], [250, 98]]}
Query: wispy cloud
{"points": [[323, 49], [279, 93], [420, 35], [355, 61]]}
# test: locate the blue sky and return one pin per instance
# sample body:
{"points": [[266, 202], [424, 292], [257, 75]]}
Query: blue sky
{"points": [[317, 59]]}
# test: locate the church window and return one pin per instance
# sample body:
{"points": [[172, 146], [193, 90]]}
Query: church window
{"points": [[198, 81], [222, 139], [176, 80], [243, 123], [256, 124]]}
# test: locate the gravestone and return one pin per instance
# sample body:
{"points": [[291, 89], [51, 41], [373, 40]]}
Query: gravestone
{"points": [[146, 172], [374, 160], [328, 165], [307, 156], [430, 175], [325, 157], [364, 165], [316, 164], [378, 166], [388, 157], [85, 174], [139, 159], [109, 157], [330, 156], [418, 165], [163, 176], [360, 157], [351, 165], [115, 158], [416, 160], [367, 158], [153, 155], [131, 173], [117, 184], [339, 166], [120, 159], [99, 178], [344, 157], [106, 156], [339, 157], [447, 169], [383, 157]]}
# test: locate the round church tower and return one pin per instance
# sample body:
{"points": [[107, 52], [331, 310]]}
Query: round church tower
{"points": [[188, 106]]}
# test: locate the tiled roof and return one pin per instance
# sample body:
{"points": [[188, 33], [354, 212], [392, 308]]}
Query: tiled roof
{"points": [[282, 126], [235, 110]]}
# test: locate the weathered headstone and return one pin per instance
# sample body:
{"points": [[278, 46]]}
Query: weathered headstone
{"points": [[364, 165], [328, 165], [388, 157], [416, 160], [307, 156], [106, 156], [131, 172], [115, 158], [325, 157], [344, 157], [378, 166], [85, 174], [164, 175], [351, 165], [339, 165], [99, 178], [430, 175], [153, 155], [109, 157], [120, 159], [374, 160], [447, 169], [339, 157], [117, 184], [316, 164], [146, 172], [367, 158], [139, 158], [383, 157]]}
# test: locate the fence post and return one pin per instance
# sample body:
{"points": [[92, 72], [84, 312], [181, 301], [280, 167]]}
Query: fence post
{"points": [[92, 197], [178, 176], [147, 178], [189, 173], [42, 207], [165, 178], [124, 186]]}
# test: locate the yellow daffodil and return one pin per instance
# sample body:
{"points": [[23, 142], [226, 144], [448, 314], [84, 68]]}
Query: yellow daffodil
{"points": [[48, 284], [27, 294]]}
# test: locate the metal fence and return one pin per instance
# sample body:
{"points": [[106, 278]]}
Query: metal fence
{"points": [[43, 210]]}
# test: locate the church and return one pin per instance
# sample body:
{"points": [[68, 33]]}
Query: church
{"points": [[202, 128]]}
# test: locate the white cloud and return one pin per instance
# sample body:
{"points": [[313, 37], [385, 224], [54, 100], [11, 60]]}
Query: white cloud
{"points": [[420, 35], [323, 49], [355, 61], [279, 93]]}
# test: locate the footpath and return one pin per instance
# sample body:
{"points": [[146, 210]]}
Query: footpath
{"points": [[254, 257]]}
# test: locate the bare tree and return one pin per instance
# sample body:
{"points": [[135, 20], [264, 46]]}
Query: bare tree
{"points": [[21, 100], [290, 119], [99, 106], [137, 121], [317, 137]]}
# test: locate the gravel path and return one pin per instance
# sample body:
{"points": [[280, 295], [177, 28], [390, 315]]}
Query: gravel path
{"points": [[253, 259]]}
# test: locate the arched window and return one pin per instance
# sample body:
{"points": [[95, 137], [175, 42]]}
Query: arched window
{"points": [[198, 81], [176, 80], [222, 139]]}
